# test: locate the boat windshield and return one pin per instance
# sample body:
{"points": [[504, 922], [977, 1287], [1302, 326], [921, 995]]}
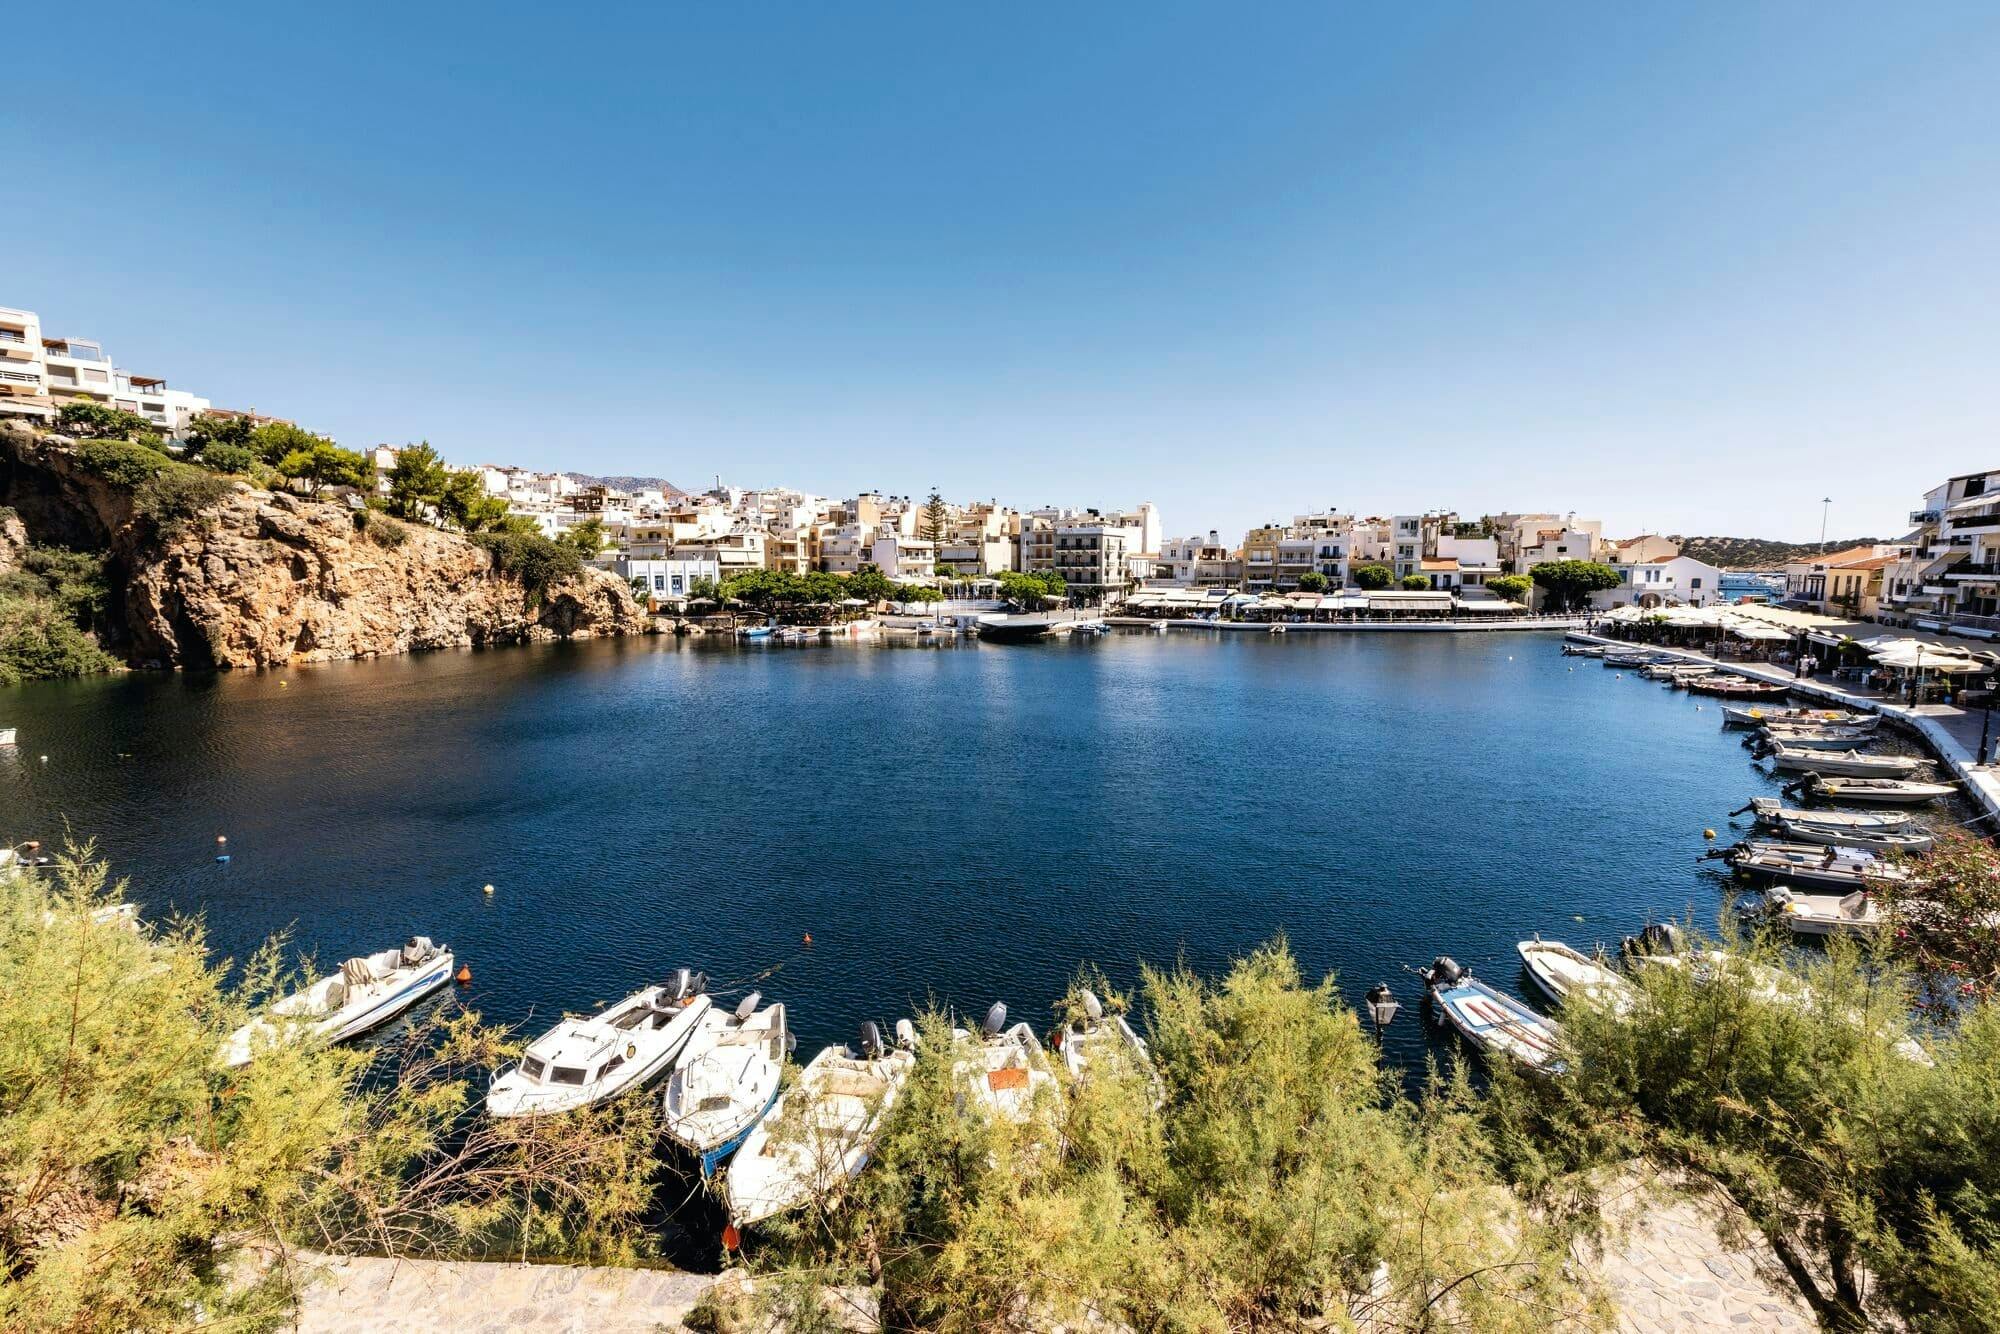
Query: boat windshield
{"points": [[567, 1074], [531, 1067]]}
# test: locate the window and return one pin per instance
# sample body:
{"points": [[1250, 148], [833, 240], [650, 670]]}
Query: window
{"points": [[659, 583], [94, 376], [531, 1067], [677, 583], [128, 404], [1695, 582], [63, 374], [568, 1074]]}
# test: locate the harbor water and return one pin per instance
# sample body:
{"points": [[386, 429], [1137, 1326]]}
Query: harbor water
{"points": [[956, 823]]}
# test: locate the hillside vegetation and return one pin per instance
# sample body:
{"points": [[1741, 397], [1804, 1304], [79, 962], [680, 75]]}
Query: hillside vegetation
{"points": [[1757, 553]]}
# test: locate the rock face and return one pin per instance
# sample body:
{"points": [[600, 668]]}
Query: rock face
{"points": [[265, 578]]}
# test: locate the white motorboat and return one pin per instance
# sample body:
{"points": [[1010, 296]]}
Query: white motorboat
{"points": [[1821, 867], [1844, 763], [726, 1079], [366, 993], [1098, 1041], [1820, 738], [1750, 715], [756, 631], [1492, 1021], [1876, 791], [1004, 1068], [1584, 650], [1824, 914], [585, 1060], [1809, 830], [1770, 811], [821, 1131], [1562, 972]]}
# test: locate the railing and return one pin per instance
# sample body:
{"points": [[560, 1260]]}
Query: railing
{"points": [[1972, 622], [1967, 571], [9, 336], [1920, 517]]}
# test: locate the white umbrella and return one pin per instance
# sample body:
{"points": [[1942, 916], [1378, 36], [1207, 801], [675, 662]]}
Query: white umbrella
{"points": [[1919, 657]]}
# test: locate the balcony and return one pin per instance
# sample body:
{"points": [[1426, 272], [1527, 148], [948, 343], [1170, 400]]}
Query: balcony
{"points": [[21, 373], [1964, 621], [1918, 518], [1990, 570]]}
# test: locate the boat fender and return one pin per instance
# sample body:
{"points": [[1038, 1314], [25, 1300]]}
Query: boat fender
{"points": [[906, 1035], [731, 1238], [748, 1005]]}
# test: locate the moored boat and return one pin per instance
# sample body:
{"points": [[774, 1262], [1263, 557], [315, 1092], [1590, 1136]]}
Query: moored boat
{"points": [[1742, 715], [1584, 650], [821, 1132], [1820, 738], [1005, 1068], [1563, 972], [1737, 687], [1843, 763], [367, 992], [1771, 811], [585, 1060], [1847, 836], [1820, 867], [725, 1079], [757, 632], [1095, 1040], [1875, 791], [1853, 913], [1493, 1022]]}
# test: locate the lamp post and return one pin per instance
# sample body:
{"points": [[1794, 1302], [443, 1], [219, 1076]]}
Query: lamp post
{"points": [[1382, 1008], [1986, 728]]}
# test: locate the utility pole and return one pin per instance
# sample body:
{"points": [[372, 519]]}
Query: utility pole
{"points": [[1824, 506]]}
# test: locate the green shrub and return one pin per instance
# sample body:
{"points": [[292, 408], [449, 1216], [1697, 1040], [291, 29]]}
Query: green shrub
{"points": [[38, 640], [535, 560], [380, 529], [121, 462], [176, 494], [228, 458]]}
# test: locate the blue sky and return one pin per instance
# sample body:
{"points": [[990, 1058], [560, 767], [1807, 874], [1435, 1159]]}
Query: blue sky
{"points": [[1687, 267]]}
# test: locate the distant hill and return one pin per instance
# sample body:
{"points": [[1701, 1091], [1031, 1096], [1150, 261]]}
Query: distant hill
{"points": [[1756, 553], [625, 483]]}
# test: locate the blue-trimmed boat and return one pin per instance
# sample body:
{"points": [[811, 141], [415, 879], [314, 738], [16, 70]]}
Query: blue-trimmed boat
{"points": [[726, 1079], [1492, 1021]]}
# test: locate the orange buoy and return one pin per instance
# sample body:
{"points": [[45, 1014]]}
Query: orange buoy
{"points": [[731, 1238], [809, 937], [464, 974]]}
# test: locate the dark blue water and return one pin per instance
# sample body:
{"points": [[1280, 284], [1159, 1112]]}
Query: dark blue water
{"points": [[960, 823]]}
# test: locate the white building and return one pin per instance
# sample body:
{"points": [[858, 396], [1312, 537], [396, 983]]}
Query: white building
{"points": [[907, 560], [1670, 582], [39, 375], [671, 579], [1951, 578], [1094, 558]]}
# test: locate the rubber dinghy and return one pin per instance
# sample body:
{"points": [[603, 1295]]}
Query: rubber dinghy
{"points": [[1492, 1021], [1562, 973], [365, 994], [585, 1060], [1005, 1068], [821, 1132], [726, 1079]]}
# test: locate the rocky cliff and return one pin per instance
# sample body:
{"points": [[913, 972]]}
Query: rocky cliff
{"points": [[261, 578]]}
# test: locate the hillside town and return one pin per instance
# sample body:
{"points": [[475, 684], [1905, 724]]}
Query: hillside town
{"points": [[675, 545]]}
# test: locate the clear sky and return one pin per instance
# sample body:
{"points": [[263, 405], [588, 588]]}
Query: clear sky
{"points": [[1685, 267]]}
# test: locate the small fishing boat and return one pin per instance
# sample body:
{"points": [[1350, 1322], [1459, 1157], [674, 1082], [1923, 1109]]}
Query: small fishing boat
{"points": [[1854, 913], [1628, 659], [1771, 811], [1808, 830], [1875, 791], [1739, 715], [1843, 763], [726, 1079], [1737, 687], [1006, 1068], [757, 631], [820, 1133], [1584, 650], [585, 1060], [1810, 864], [1819, 738], [1562, 972], [1097, 1040], [1491, 1021], [1580, 639], [366, 993], [1660, 671]]}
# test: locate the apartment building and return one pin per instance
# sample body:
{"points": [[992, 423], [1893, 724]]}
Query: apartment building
{"points": [[1668, 582], [24, 383], [39, 375], [1195, 562], [907, 560], [1824, 583], [666, 579], [1950, 578], [1094, 559], [1528, 540]]}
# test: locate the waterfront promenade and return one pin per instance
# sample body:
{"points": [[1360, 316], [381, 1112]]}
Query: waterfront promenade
{"points": [[1953, 732], [1442, 626]]}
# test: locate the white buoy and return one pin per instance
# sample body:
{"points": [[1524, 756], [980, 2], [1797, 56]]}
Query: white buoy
{"points": [[487, 890]]}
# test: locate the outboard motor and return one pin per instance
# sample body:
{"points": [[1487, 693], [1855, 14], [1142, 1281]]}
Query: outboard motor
{"points": [[687, 982], [906, 1035], [1444, 971], [748, 1006], [1093, 1008], [871, 1039], [996, 1019], [418, 950]]}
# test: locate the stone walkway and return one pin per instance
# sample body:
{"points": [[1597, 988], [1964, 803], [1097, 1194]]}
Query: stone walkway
{"points": [[1669, 1269]]}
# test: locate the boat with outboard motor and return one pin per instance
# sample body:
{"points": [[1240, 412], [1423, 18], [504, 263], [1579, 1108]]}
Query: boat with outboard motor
{"points": [[1490, 1020], [1770, 811], [1843, 763], [1737, 687], [1004, 1068], [1628, 659], [1562, 972], [1847, 836], [1853, 914], [1818, 738], [1820, 867], [1742, 715], [725, 1079], [585, 1060], [1584, 650], [821, 1132], [1095, 1039], [1873, 791], [367, 992]]}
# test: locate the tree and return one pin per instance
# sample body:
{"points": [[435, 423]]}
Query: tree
{"points": [[704, 589], [1371, 576], [870, 585], [418, 482], [320, 464], [1568, 584], [1031, 591], [587, 537], [1312, 581], [1947, 916], [273, 441], [944, 571], [1416, 582], [1513, 587], [220, 457], [466, 503], [936, 520], [99, 421]]}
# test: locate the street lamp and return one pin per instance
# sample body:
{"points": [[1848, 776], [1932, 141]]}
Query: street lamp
{"points": [[1382, 1007], [1986, 728]]}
